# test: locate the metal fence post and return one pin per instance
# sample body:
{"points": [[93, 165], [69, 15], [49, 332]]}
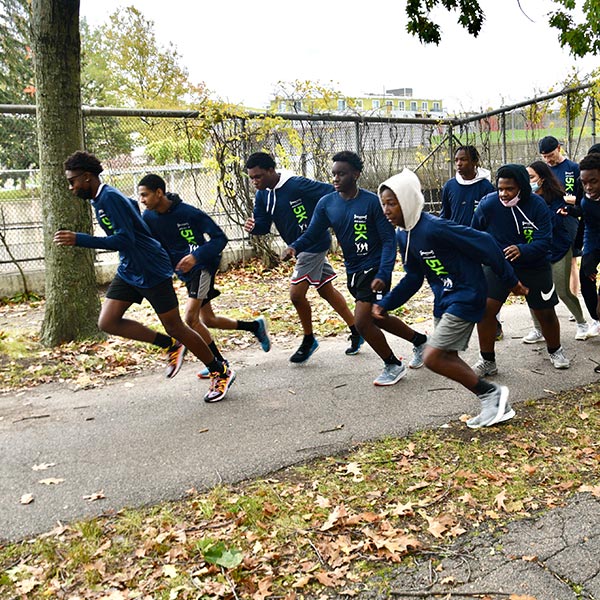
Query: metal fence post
{"points": [[450, 150], [593, 102], [569, 133], [503, 134]]}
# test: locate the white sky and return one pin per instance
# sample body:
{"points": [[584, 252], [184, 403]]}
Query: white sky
{"points": [[241, 49]]}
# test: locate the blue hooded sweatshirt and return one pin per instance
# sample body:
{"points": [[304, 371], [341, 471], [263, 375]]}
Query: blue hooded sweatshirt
{"points": [[182, 230], [460, 197], [528, 225], [290, 206], [143, 262], [447, 254], [364, 234]]}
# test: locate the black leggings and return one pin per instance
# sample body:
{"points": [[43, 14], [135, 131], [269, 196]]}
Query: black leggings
{"points": [[589, 264]]}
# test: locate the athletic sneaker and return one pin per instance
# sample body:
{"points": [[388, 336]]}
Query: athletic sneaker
{"points": [[175, 355], [304, 352], [509, 413], [499, 332], [417, 359], [219, 384], [391, 374], [485, 367], [533, 337], [356, 341], [262, 334], [594, 329], [581, 333], [493, 408], [205, 373], [559, 360]]}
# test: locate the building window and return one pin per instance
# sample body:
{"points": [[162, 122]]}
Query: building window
{"points": [[282, 106], [297, 105], [341, 105], [413, 106], [424, 105], [436, 106], [376, 104], [389, 104], [400, 104], [359, 104]]}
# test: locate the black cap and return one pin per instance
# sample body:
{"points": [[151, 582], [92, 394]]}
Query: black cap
{"points": [[548, 144]]}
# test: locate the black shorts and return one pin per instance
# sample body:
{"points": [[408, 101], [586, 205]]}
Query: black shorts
{"points": [[359, 285], [161, 297], [542, 293], [202, 286]]}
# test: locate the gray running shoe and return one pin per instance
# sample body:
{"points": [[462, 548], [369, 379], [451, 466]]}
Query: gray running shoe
{"points": [[559, 360], [483, 367], [417, 359], [533, 337], [391, 374], [493, 408], [509, 413]]}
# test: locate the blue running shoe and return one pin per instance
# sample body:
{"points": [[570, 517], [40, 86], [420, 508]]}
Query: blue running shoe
{"points": [[356, 341], [205, 373], [262, 334], [304, 352]]}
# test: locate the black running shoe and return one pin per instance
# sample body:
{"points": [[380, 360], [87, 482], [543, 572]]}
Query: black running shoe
{"points": [[304, 352]]}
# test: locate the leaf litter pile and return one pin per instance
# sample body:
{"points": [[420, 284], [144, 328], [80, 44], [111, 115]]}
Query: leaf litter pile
{"points": [[336, 527]]}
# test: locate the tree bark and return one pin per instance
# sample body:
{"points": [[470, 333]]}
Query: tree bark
{"points": [[72, 302]]}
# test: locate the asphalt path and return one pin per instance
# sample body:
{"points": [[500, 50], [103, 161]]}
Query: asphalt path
{"points": [[142, 439]]}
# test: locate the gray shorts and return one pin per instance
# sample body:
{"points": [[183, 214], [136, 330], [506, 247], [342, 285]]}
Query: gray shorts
{"points": [[451, 333], [201, 285], [314, 268]]}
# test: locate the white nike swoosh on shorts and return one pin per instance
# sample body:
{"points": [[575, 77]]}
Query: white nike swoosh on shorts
{"points": [[546, 297]]}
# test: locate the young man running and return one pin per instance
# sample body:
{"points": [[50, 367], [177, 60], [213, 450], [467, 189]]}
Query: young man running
{"points": [[183, 230], [462, 193], [144, 271], [590, 208], [521, 224], [368, 244], [288, 201], [450, 257]]}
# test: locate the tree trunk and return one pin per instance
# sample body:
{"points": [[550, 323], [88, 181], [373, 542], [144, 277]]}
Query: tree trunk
{"points": [[72, 302]]}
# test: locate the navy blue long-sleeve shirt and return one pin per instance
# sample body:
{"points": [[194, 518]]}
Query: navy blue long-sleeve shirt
{"points": [[183, 230], [143, 262], [364, 234], [450, 256]]}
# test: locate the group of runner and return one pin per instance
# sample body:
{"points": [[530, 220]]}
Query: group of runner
{"points": [[487, 242]]}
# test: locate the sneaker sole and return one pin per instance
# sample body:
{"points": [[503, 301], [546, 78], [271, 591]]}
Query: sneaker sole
{"points": [[416, 366], [537, 341], [400, 376], [178, 365], [301, 362], [219, 398], [204, 374]]}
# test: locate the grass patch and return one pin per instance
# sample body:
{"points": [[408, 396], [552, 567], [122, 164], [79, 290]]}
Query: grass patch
{"points": [[341, 524]]}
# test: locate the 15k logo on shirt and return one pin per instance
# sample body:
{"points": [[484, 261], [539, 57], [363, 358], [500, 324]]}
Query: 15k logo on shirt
{"points": [[570, 182], [105, 220], [436, 266], [300, 213], [185, 231], [361, 239]]}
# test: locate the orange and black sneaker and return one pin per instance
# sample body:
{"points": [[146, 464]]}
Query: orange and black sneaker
{"points": [[219, 384], [175, 354]]}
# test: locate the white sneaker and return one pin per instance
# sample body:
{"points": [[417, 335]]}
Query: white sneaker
{"points": [[593, 329], [581, 333], [493, 408], [559, 360], [483, 367], [533, 337]]}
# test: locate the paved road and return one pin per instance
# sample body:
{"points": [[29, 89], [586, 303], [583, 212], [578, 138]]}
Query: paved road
{"points": [[143, 439]]}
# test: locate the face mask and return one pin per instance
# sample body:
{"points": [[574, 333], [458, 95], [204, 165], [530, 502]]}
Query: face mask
{"points": [[512, 202], [535, 187]]}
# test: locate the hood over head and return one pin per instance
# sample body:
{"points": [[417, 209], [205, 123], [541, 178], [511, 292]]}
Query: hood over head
{"points": [[175, 199], [407, 188], [519, 174]]}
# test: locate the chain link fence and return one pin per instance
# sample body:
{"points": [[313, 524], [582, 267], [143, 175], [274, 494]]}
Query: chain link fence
{"points": [[201, 156]]}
